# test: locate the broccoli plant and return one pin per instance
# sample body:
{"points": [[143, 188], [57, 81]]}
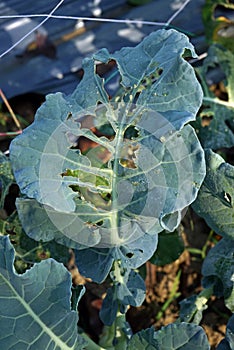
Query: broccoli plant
{"points": [[109, 202]]}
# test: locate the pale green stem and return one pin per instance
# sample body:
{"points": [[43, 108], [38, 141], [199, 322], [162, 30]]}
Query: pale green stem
{"points": [[203, 298], [114, 213], [113, 337]]}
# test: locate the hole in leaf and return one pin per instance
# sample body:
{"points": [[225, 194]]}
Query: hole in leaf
{"points": [[69, 116], [128, 155], [88, 144], [102, 68], [159, 71], [105, 130], [90, 225], [69, 172], [129, 255], [152, 78], [228, 199], [99, 223], [187, 54], [106, 196], [216, 79], [223, 12], [85, 144], [206, 120], [131, 133], [220, 90]]}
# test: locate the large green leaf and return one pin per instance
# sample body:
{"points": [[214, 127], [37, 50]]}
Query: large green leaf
{"points": [[214, 124], [35, 309], [28, 250], [96, 262], [218, 270], [181, 336], [159, 58], [130, 290], [170, 247], [215, 199], [154, 164], [43, 223]]}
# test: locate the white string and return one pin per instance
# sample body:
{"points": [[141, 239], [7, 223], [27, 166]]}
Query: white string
{"points": [[32, 30], [198, 58], [177, 12], [109, 20]]}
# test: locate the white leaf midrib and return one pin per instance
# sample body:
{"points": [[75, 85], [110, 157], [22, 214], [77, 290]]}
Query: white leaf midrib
{"points": [[36, 318]]}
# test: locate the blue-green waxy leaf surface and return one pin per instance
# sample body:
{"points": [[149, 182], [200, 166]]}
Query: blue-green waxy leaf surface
{"points": [[35, 309], [170, 247], [96, 262], [159, 57], [109, 308], [215, 122], [215, 199], [45, 224], [181, 336], [218, 270], [138, 181], [129, 291]]}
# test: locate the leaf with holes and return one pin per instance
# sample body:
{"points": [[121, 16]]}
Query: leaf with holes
{"points": [[106, 196], [219, 28], [215, 199], [28, 250], [130, 291], [218, 271], [214, 124], [96, 262]]}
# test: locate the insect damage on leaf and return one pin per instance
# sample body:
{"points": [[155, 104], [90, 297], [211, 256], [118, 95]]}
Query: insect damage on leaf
{"points": [[115, 168]]}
